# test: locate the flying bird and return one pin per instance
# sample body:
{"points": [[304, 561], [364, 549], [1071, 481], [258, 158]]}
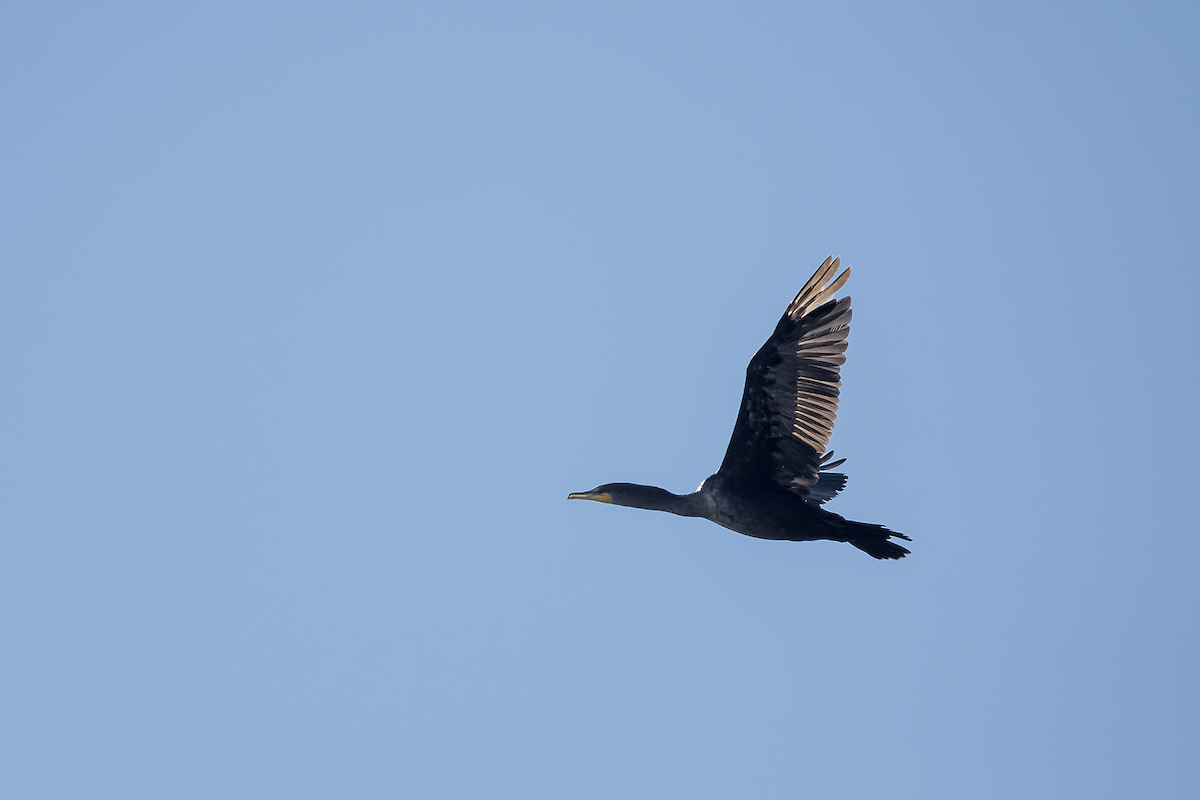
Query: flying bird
{"points": [[776, 473]]}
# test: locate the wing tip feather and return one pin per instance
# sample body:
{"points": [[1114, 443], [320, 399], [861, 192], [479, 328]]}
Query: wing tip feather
{"points": [[824, 283]]}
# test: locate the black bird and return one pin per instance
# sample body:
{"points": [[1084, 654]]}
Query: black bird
{"points": [[775, 475]]}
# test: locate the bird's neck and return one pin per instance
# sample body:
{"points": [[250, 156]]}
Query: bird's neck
{"points": [[656, 499]]}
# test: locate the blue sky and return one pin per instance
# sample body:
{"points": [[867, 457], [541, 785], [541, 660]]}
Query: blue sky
{"points": [[312, 314]]}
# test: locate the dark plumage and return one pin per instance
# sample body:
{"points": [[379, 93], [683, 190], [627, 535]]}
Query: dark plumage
{"points": [[775, 474]]}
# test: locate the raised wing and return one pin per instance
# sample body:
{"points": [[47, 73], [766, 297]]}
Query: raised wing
{"points": [[791, 396]]}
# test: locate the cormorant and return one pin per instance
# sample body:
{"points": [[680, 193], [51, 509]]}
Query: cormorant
{"points": [[775, 475]]}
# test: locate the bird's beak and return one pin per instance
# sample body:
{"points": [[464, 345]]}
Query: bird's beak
{"points": [[599, 497]]}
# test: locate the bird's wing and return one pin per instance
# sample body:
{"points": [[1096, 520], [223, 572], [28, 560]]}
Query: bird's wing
{"points": [[827, 487], [791, 395]]}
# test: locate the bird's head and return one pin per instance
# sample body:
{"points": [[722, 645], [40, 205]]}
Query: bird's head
{"points": [[634, 495], [601, 494]]}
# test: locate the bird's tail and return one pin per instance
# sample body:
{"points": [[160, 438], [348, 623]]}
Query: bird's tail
{"points": [[874, 540]]}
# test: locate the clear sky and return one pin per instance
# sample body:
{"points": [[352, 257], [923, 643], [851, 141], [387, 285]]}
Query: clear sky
{"points": [[312, 314]]}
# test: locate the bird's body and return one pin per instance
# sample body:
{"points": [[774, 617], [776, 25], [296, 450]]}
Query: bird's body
{"points": [[775, 474]]}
